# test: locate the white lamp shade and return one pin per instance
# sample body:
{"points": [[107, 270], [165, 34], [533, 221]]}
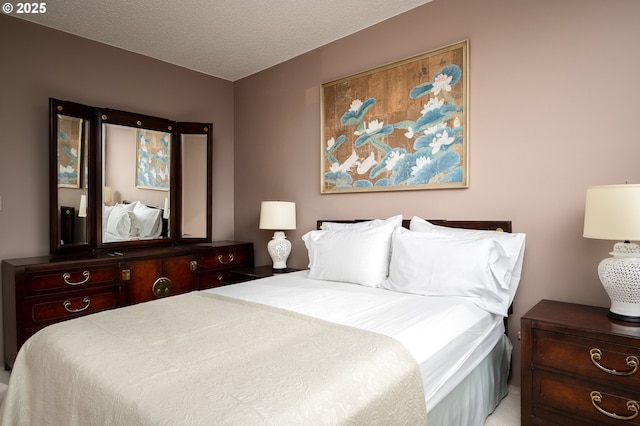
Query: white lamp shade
{"points": [[278, 215], [82, 209], [612, 212], [108, 195], [166, 212]]}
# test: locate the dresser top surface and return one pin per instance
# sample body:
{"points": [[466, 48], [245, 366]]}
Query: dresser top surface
{"points": [[114, 255]]}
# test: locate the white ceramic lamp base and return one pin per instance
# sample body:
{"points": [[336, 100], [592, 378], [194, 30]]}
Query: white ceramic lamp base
{"points": [[279, 249], [620, 276]]}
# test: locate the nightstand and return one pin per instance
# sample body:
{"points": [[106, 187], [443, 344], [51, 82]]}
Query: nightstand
{"points": [[579, 367], [256, 272]]}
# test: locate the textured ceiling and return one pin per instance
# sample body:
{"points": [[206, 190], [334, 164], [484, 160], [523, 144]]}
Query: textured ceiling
{"points": [[230, 39]]}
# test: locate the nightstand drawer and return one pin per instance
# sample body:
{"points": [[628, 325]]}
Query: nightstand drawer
{"points": [[227, 257], [70, 278], [595, 359], [580, 398], [215, 278]]}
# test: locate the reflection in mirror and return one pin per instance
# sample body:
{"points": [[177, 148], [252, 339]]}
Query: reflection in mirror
{"points": [[194, 151], [136, 182], [115, 179], [194, 192], [72, 179]]}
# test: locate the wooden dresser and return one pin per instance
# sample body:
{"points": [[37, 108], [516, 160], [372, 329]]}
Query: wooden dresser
{"points": [[40, 291], [579, 367]]}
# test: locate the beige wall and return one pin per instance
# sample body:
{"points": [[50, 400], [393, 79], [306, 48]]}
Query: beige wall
{"points": [[553, 109]]}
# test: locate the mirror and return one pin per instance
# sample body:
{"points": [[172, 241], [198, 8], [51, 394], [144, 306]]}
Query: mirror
{"points": [[195, 162], [120, 179], [137, 178], [70, 148]]}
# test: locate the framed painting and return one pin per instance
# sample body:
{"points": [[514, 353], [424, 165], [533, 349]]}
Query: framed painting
{"points": [[153, 159], [69, 151], [401, 126]]}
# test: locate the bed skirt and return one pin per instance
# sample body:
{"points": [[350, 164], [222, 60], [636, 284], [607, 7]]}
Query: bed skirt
{"points": [[479, 393]]}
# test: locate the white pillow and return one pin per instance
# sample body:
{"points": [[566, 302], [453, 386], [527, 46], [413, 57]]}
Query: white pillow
{"points": [[513, 244], [106, 211], [359, 256], [149, 220], [337, 226], [127, 206], [122, 223], [439, 265]]}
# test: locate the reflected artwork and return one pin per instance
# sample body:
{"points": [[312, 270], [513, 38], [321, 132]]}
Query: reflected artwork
{"points": [[153, 159]]}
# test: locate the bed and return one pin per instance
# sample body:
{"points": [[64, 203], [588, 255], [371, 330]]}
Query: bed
{"points": [[351, 340]]}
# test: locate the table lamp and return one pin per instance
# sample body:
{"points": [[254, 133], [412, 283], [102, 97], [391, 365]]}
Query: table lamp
{"points": [[612, 212], [278, 216]]}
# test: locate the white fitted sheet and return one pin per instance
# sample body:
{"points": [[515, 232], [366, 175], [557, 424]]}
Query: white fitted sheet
{"points": [[448, 336]]}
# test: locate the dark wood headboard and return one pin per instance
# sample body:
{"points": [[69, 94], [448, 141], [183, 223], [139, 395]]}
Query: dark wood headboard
{"points": [[487, 225]]}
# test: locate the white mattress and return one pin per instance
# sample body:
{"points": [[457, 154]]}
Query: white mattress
{"points": [[448, 336]]}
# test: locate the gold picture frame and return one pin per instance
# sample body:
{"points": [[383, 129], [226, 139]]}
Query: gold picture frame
{"points": [[402, 126]]}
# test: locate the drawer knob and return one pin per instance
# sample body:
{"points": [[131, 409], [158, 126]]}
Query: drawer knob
{"points": [[632, 362], [161, 287], [221, 259], [67, 304], [633, 406], [66, 276]]}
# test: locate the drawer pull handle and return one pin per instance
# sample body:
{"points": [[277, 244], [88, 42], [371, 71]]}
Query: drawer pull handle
{"points": [[67, 275], [220, 259], [161, 287], [633, 406], [67, 303], [632, 362]]}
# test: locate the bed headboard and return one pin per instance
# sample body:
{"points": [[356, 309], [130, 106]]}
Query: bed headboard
{"points": [[487, 225]]}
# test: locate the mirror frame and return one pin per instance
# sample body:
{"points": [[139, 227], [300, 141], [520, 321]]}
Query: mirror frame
{"points": [[97, 117], [195, 129], [71, 109]]}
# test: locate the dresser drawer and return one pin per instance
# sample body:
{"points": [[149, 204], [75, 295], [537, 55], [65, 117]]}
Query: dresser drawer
{"points": [[226, 257], [596, 359], [69, 278], [588, 402], [45, 311]]}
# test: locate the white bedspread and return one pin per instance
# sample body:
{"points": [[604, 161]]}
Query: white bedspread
{"points": [[171, 371], [447, 336]]}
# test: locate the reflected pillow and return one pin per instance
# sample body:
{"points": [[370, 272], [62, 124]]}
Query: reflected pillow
{"points": [[106, 211], [337, 226], [359, 256], [149, 220], [122, 223], [440, 265], [127, 206]]}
